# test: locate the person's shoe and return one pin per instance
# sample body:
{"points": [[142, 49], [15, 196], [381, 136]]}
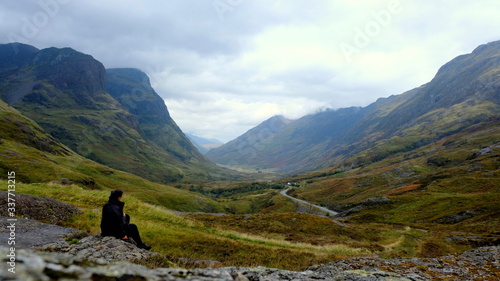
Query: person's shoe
{"points": [[145, 247]]}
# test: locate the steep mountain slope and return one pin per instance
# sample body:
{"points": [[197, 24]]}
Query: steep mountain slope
{"points": [[39, 159], [65, 92], [132, 89], [449, 187], [464, 92]]}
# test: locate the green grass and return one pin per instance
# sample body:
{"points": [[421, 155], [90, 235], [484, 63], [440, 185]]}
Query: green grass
{"points": [[422, 190], [294, 227], [37, 157], [178, 236], [425, 184], [33, 166]]}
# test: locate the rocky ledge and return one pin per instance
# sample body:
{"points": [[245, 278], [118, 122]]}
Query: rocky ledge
{"points": [[39, 208], [100, 250], [107, 258]]}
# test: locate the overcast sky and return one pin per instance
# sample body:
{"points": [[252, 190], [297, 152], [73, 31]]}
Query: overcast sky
{"points": [[224, 66]]}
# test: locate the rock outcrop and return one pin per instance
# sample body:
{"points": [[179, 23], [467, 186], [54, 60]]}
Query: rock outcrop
{"points": [[100, 249], [30, 234], [353, 209], [107, 258], [39, 208], [478, 264]]}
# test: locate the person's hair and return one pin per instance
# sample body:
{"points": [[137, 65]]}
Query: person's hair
{"points": [[115, 194]]}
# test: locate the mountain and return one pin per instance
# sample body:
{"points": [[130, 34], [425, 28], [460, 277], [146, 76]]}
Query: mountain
{"points": [[204, 144], [41, 161], [113, 116], [413, 175], [244, 150], [132, 89], [465, 92]]}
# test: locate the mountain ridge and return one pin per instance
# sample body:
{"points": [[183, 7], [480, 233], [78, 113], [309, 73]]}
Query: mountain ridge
{"points": [[438, 174], [39, 159], [66, 93], [131, 87], [469, 83]]}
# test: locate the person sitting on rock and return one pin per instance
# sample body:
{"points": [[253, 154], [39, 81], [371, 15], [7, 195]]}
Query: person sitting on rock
{"points": [[116, 223]]}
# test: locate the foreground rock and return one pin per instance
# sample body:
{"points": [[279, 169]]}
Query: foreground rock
{"points": [[32, 234], [107, 258], [57, 266], [39, 208], [100, 249], [478, 264]]}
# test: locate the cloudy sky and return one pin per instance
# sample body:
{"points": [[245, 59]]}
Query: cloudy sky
{"points": [[224, 66]]}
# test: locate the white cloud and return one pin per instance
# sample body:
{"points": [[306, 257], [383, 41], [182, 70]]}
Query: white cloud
{"points": [[223, 74], [222, 118], [225, 117]]}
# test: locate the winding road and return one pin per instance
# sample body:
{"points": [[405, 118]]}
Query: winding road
{"points": [[284, 193]]}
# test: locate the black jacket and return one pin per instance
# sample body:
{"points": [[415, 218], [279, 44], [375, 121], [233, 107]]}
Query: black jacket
{"points": [[112, 222]]}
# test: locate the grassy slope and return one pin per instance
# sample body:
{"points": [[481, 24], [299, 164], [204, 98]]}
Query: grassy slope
{"points": [[178, 236], [55, 171], [106, 136], [283, 240], [64, 91], [437, 181], [132, 89], [52, 161]]}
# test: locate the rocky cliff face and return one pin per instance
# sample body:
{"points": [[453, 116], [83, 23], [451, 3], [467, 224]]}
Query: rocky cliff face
{"points": [[132, 89], [55, 78], [66, 93], [66, 68]]}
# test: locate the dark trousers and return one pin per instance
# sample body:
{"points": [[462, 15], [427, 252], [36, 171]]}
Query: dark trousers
{"points": [[133, 232]]}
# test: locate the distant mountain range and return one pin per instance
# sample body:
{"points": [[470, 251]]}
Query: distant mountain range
{"points": [[115, 118], [465, 92], [415, 174], [204, 144], [112, 116]]}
